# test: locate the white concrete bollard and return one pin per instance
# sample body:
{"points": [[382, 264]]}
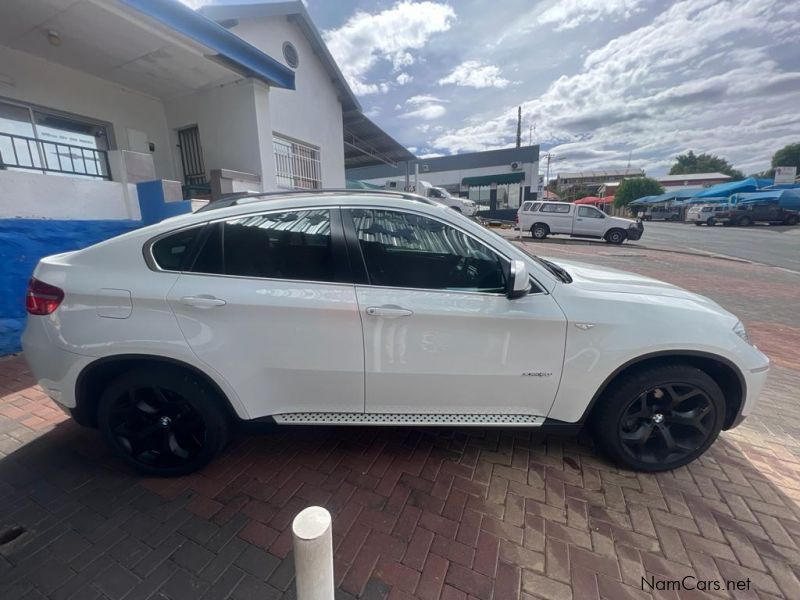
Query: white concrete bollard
{"points": [[313, 554]]}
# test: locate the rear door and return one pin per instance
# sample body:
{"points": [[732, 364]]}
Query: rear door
{"points": [[269, 304], [589, 222], [440, 335]]}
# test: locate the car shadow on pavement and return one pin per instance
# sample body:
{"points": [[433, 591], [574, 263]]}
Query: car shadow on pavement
{"points": [[488, 512]]}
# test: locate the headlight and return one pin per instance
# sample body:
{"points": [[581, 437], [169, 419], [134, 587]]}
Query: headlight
{"points": [[739, 330]]}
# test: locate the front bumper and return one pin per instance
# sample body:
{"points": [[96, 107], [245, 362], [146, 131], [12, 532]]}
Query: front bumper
{"points": [[635, 231]]}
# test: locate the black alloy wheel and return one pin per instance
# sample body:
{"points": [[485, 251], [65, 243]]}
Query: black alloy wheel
{"points": [[659, 418], [162, 422], [666, 423]]}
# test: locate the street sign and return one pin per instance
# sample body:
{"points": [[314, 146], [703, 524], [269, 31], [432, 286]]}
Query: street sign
{"points": [[785, 175]]}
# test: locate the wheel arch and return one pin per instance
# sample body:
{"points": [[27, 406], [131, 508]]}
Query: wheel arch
{"points": [[723, 371], [99, 373]]}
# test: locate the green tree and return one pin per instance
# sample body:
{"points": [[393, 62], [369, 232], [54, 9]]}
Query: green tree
{"points": [[635, 188], [788, 156], [689, 163]]}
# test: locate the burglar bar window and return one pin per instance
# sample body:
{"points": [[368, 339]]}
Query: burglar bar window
{"points": [[297, 165]]}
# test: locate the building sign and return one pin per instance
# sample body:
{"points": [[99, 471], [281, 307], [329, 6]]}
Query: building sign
{"points": [[785, 175]]}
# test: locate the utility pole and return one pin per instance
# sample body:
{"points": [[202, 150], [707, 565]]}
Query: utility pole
{"points": [[519, 126], [549, 157]]}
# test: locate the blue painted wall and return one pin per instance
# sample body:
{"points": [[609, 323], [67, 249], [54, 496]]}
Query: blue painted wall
{"points": [[23, 242]]}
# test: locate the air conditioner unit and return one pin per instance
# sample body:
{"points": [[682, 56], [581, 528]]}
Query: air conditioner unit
{"points": [[516, 165], [424, 168]]}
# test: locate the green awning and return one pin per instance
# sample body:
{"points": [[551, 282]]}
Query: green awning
{"points": [[490, 179]]}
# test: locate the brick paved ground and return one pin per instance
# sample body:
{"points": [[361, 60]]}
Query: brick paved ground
{"points": [[420, 513]]}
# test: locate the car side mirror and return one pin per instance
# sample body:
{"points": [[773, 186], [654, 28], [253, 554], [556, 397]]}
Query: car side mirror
{"points": [[519, 282]]}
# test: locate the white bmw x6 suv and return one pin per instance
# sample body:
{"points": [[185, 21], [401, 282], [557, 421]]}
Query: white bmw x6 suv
{"points": [[373, 308]]}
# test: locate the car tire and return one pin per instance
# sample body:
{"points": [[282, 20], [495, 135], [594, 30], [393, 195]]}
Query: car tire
{"points": [[539, 231], [698, 223], [792, 220], [744, 222], [711, 222], [163, 421], [616, 236], [660, 418]]}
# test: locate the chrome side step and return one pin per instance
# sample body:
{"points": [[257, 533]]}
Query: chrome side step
{"points": [[458, 420]]}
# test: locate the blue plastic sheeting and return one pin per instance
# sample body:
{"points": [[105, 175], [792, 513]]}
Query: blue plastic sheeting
{"points": [[718, 200], [641, 201], [788, 199], [751, 184], [22, 243]]}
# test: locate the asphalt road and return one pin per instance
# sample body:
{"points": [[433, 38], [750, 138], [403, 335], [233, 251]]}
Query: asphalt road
{"points": [[775, 246]]}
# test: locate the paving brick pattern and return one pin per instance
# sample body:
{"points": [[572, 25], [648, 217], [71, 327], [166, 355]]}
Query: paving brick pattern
{"points": [[418, 513]]}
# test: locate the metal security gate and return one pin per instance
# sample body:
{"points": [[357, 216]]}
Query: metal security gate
{"points": [[194, 171]]}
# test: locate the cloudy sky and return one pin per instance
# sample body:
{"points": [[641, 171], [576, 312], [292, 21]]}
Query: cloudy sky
{"points": [[601, 82]]}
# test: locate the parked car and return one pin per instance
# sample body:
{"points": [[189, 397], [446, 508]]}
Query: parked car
{"points": [[661, 213], [436, 194], [576, 220], [758, 212], [705, 213], [373, 309]]}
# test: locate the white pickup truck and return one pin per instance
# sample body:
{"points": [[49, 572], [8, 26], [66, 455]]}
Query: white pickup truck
{"points": [[439, 195], [576, 220]]}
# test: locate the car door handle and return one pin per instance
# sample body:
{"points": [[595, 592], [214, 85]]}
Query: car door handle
{"points": [[389, 311], [202, 301]]}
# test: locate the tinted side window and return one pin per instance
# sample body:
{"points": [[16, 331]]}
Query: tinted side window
{"points": [[555, 208], [412, 251], [287, 245], [170, 252]]}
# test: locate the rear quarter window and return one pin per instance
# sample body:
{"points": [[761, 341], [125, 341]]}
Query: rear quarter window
{"points": [[171, 252]]}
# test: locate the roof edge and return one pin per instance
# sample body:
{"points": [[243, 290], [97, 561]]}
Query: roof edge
{"points": [[237, 54]]}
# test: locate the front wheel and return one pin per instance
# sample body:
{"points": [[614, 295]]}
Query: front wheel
{"points": [[745, 222], [162, 421], [660, 418], [792, 220], [711, 222], [615, 236]]}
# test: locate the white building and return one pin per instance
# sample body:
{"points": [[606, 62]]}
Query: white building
{"points": [[498, 180], [107, 93]]}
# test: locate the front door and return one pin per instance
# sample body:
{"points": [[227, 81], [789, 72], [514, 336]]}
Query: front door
{"points": [[440, 335], [269, 306], [589, 222]]}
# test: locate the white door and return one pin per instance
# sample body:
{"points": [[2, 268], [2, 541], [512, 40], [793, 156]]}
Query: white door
{"points": [[589, 222], [269, 308], [440, 335]]}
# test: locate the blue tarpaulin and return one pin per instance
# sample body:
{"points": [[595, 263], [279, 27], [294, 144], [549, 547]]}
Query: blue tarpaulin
{"points": [[788, 199], [751, 184]]}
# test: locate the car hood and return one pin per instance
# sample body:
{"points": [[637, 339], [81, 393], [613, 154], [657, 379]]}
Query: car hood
{"points": [[605, 279]]}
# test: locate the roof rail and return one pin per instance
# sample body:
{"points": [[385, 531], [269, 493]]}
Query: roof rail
{"points": [[236, 199]]}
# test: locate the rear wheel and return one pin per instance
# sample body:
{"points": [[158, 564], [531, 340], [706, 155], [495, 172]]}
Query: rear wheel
{"points": [[539, 231], [616, 236], [698, 223], [711, 221], [745, 222], [162, 421], [660, 418]]}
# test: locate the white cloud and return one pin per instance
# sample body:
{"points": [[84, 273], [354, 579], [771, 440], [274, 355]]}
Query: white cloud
{"points": [[704, 74], [390, 35], [473, 73], [404, 78], [568, 14], [424, 107], [428, 112]]}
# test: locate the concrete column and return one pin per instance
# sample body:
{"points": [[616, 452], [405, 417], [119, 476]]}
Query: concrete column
{"points": [[313, 554]]}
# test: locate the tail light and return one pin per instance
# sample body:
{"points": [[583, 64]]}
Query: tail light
{"points": [[42, 298]]}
